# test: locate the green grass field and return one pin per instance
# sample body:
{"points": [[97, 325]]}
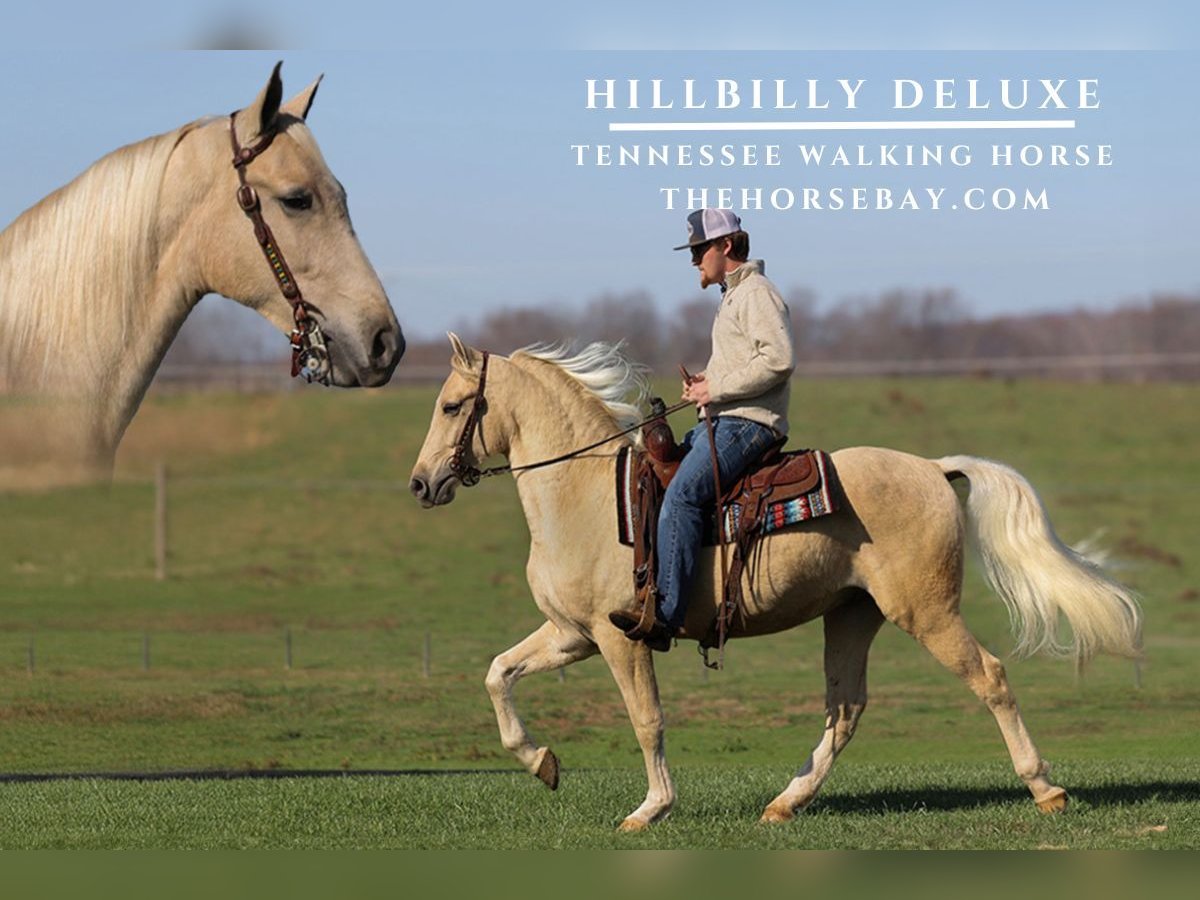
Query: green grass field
{"points": [[289, 515]]}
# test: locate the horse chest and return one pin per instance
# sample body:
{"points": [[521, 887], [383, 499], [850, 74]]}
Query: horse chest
{"points": [[565, 578]]}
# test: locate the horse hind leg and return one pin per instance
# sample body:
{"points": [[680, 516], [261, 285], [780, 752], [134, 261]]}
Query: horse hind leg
{"points": [[849, 631], [953, 645], [547, 648]]}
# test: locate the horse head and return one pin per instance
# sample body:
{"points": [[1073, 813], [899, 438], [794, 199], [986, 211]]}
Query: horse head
{"points": [[304, 206], [453, 443]]}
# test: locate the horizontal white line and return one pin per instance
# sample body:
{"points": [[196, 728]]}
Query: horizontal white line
{"points": [[842, 126]]}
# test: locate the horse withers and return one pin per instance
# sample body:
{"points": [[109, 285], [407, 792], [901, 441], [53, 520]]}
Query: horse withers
{"points": [[893, 553], [97, 278]]}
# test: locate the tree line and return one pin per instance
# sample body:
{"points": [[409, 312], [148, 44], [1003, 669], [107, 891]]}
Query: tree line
{"points": [[899, 331], [1158, 337]]}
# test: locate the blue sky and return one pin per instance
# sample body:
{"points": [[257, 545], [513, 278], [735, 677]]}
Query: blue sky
{"points": [[467, 197], [454, 25]]}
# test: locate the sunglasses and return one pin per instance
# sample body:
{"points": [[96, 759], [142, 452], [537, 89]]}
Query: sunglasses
{"points": [[699, 250]]}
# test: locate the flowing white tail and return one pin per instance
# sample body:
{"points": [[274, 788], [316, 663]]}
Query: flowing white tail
{"points": [[1039, 577]]}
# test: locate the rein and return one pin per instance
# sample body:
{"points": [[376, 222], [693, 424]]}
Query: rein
{"points": [[310, 355], [470, 475]]}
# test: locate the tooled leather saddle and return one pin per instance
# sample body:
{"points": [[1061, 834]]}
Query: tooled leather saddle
{"points": [[780, 489]]}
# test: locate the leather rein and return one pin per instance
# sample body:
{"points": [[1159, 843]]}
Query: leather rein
{"points": [[471, 475], [310, 355]]}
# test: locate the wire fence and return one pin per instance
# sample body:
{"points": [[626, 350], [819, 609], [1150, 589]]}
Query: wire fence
{"points": [[269, 377], [265, 648], [429, 656]]}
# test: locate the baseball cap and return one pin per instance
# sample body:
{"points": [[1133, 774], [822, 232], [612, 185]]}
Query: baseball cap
{"points": [[705, 224]]}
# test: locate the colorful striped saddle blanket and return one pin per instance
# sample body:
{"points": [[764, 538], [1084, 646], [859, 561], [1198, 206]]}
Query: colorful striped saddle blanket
{"points": [[790, 488]]}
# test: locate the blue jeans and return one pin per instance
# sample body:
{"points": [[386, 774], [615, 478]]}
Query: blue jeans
{"points": [[690, 498]]}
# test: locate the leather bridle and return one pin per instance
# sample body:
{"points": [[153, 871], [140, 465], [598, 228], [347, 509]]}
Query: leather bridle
{"points": [[310, 355], [470, 475]]}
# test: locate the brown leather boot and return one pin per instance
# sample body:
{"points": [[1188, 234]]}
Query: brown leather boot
{"points": [[657, 638]]}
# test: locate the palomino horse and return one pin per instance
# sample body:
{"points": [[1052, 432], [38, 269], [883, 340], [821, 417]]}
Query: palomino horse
{"points": [[895, 552], [97, 278]]}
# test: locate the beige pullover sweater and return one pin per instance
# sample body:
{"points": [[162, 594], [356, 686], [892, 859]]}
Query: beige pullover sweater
{"points": [[749, 372]]}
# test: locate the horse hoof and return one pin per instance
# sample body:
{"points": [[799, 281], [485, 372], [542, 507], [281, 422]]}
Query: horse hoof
{"points": [[547, 770], [773, 815], [1054, 802], [631, 824]]}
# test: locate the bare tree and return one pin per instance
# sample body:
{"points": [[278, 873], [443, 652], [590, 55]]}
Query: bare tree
{"points": [[630, 318], [689, 337], [221, 331], [511, 329]]}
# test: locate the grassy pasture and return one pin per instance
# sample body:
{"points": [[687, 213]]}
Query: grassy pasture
{"points": [[910, 806], [289, 515]]}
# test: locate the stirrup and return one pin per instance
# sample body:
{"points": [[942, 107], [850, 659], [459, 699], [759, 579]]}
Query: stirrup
{"points": [[637, 626], [720, 662]]}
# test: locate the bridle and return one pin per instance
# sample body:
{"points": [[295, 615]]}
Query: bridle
{"points": [[470, 475], [310, 355]]}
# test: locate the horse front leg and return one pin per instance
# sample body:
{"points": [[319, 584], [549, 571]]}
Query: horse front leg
{"points": [[632, 667], [547, 648]]}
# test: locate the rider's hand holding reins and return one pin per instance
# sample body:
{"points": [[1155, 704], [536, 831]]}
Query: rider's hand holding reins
{"points": [[695, 388]]}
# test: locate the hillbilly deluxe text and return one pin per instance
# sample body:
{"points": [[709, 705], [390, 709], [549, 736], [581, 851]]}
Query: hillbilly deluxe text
{"points": [[843, 93]]}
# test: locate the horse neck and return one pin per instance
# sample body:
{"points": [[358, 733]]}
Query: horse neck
{"points": [[552, 417], [91, 299]]}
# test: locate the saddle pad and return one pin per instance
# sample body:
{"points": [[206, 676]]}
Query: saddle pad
{"points": [[820, 500], [626, 489]]}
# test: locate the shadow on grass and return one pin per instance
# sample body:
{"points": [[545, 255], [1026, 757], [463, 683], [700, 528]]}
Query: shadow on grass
{"points": [[947, 799], [864, 803], [240, 774]]}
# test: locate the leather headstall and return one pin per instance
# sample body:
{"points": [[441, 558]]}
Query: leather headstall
{"points": [[310, 355], [469, 475]]}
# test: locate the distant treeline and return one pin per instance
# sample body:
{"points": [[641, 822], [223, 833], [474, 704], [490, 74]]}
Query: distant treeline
{"points": [[898, 332], [902, 330]]}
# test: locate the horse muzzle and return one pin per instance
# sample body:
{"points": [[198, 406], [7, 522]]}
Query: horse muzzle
{"points": [[433, 493], [379, 357]]}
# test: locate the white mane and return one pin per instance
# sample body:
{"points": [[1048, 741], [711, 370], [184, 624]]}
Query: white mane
{"points": [[74, 264], [602, 368]]}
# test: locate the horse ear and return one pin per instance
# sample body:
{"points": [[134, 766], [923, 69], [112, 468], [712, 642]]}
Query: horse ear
{"points": [[299, 105], [464, 357], [261, 114]]}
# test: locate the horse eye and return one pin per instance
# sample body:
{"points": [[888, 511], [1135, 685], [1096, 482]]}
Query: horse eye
{"points": [[299, 201], [451, 409]]}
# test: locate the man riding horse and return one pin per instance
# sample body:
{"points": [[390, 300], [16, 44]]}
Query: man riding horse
{"points": [[743, 393]]}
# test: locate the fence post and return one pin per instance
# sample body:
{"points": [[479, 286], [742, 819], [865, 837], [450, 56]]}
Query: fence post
{"points": [[160, 521], [145, 651], [287, 648], [425, 657], [30, 660]]}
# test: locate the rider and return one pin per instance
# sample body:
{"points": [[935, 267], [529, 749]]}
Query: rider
{"points": [[744, 390]]}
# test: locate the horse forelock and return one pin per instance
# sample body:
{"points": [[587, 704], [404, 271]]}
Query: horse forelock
{"points": [[74, 266], [600, 371], [297, 130]]}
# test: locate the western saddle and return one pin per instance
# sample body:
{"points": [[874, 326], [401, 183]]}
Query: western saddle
{"points": [[782, 488]]}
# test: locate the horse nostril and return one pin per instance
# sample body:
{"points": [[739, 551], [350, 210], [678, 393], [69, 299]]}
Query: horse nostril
{"points": [[386, 348], [419, 488]]}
